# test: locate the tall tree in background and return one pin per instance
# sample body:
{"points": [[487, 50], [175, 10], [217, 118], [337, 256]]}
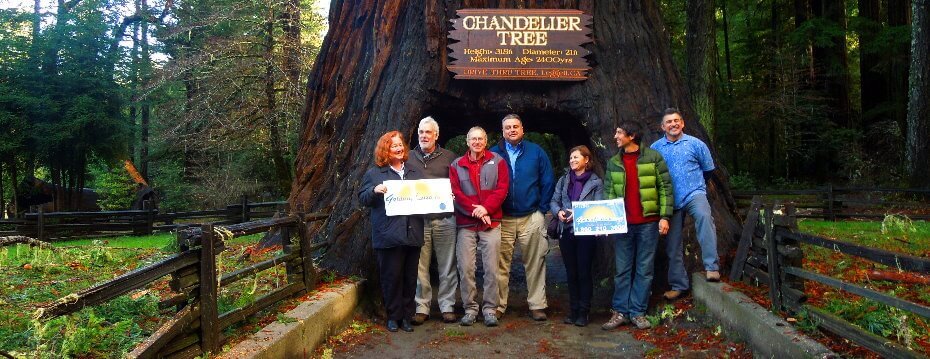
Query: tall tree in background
{"points": [[382, 67], [701, 61], [831, 66], [918, 111]]}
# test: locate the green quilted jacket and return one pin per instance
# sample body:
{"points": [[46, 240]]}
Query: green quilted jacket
{"points": [[655, 184]]}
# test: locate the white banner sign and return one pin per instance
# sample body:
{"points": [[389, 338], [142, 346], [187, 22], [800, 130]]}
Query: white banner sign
{"points": [[418, 197], [599, 217]]}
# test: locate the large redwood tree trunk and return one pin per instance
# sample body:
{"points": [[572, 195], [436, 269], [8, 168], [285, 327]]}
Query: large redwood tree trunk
{"points": [[382, 67]]}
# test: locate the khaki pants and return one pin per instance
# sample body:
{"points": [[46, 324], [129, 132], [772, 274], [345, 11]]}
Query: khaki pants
{"points": [[438, 238], [527, 233], [470, 245]]}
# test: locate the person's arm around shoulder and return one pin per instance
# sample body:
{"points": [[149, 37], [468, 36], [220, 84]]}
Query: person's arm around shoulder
{"points": [[366, 193], [664, 189], [555, 204], [496, 199], [608, 181], [546, 180]]}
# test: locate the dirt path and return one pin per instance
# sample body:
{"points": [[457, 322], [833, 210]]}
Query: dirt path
{"points": [[520, 336]]}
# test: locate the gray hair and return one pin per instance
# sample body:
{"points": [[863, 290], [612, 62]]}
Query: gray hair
{"points": [[476, 128], [429, 121]]}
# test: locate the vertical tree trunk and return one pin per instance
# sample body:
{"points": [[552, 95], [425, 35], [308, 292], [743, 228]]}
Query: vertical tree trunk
{"points": [[831, 65], [271, 116], [382, 67], [701, 50], [898, 12], [873, 84], [145, 108], [726, 46], [918, 109]]}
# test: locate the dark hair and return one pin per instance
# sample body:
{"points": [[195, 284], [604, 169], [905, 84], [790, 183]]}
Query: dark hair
{"points": [[632, 129], [671, 111], [586, 153], [511, 116], [383, 149]]}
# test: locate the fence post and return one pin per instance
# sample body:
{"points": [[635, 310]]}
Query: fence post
{"points": [[245, 209], [149, 217], [830, 214], [306, 256], [772, 255], [40, 224], [209, 332]]}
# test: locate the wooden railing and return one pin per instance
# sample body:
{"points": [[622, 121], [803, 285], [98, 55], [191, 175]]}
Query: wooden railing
{"points": [[838, 202], [59, 225], [771, 243], [196, 327]]}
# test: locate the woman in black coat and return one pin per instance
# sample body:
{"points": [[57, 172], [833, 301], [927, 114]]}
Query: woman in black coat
{"points": [[396, 240], [578, 184]]}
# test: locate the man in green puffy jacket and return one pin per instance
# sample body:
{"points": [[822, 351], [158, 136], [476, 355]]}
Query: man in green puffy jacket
{"points": [[639, 176]]}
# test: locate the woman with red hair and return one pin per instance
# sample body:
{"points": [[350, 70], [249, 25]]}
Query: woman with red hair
{"points": [[396, 240]]}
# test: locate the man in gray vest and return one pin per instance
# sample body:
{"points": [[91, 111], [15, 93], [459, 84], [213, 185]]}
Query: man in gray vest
{"points": [[479, 183], [439, 231]]}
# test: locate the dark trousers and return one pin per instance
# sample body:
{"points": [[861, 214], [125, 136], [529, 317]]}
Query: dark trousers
{"points": [[578, 256], [398, 269]]}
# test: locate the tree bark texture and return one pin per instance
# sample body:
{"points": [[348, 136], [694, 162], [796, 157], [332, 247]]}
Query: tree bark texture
{"points": [[874, 89], [701, 54], [918, 109], [382, 67], [831, 63]]}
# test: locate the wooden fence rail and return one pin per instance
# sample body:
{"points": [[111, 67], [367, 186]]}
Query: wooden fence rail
{"points": [[196, 327], [769, 253], [58, 225], [832, 202]]}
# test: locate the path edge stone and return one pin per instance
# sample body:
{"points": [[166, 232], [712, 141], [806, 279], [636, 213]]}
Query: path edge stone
{"points": [[314, 321], [743, 319]]}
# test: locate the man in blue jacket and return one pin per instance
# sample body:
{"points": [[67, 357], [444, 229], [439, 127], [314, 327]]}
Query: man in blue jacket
{"points": [[531, 185]]}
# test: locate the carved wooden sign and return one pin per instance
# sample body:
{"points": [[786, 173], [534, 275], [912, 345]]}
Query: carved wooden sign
{"points": [[520, 44]]}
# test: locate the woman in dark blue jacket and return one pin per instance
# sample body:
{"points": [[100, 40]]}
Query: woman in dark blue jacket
{"points": [[396, 240], [578, 184]]}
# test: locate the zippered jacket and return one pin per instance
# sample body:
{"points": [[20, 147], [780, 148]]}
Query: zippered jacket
{"points": [[531, 182], [482, 182], [655, 183]]}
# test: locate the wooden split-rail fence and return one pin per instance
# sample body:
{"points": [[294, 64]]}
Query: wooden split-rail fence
{"points": [[770, 254], [196, 327], [834, 203], [46, 226]]}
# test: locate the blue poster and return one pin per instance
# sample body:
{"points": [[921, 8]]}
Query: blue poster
{"points": [[599, 217]]}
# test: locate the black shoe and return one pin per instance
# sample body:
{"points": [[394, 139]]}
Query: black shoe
{"points": [[582, 320], [405, 325], [392, 326], [570, 319]]}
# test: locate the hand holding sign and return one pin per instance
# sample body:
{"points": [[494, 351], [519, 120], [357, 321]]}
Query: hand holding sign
{"points": [[418, 197]]}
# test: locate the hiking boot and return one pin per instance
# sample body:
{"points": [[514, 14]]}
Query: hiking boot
{"points": [[672, 294], [570, 319], [392, 326], [490, 320], [498, 313], [641, 322], [538, 315], [616, 320], [468, 319], [420, 318], [713, 276], [448, 317]]}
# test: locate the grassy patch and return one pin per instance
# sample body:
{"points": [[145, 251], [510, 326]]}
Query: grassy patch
{"points": [[908, 237]]}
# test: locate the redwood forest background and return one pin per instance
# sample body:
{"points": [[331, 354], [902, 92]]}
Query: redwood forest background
{"points": [[205, 96]]}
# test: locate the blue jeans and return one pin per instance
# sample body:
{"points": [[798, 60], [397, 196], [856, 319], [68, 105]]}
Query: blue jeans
{"points": [[699, 209], [634, 254]]}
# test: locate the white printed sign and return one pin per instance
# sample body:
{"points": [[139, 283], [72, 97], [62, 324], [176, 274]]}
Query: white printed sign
{"points": [[599, 217], [418, 197]]}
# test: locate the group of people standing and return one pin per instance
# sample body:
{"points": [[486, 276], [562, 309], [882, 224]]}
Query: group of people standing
{"points": [[501, 195]]}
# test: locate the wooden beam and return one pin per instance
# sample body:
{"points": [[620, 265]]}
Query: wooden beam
{"points": [[773, 259], [209, 330], [235, 316], [745, 241], [861, 291], [884, 347], [174, 327], [892, 259]]}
